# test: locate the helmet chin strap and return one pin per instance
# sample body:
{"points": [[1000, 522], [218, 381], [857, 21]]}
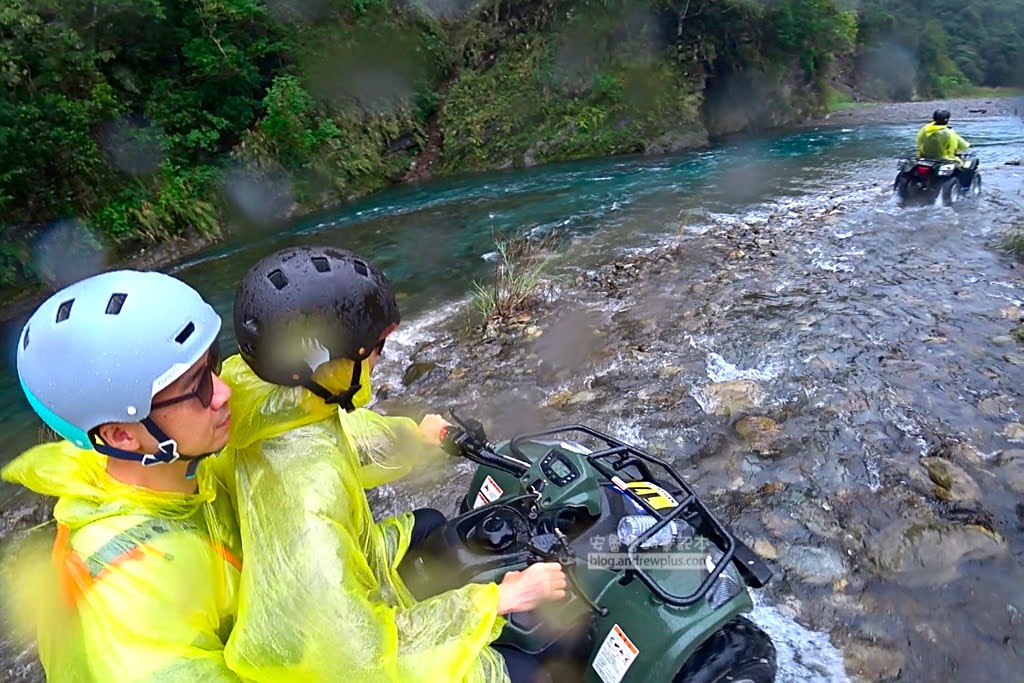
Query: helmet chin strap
{"points": [[167, 451], [344, 398]]}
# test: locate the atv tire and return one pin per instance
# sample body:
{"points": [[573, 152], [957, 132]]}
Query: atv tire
{"points": [[975, 189], [739, 652], [902, 188], [952, 191]]}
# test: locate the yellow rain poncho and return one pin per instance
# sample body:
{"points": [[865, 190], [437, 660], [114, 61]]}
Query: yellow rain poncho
{"points": [[321, 598], [140, 585], [939, 141]]}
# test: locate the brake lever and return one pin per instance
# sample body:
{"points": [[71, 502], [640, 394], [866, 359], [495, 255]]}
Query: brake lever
{"points": [[473, 428]]}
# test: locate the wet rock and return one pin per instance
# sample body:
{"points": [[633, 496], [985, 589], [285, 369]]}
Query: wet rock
{"points": [[585, 396], [423, 371], [1011, 469], [1002, 340], [733, 397], [1014, 431], [872, 663], [965, 452], [559, 398], [669, 371], [766, 550], [928, 552], [532, 332], [1014, 358], [951, 482], [1012, 313], [814, 565], [760, 432], [782, 526], [676, 141], [994, 406]]}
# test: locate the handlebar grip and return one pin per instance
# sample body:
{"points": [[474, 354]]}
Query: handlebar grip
{"points": [[450, 440]]}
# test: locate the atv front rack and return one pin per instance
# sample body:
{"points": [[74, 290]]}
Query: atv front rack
{"points": [[619, 456]]}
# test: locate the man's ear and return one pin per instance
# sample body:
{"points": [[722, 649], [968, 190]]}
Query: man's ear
{"points": [[119, 435]]}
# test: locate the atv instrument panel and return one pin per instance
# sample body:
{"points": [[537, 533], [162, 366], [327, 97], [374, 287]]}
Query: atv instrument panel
{"points": [[558, 468]]}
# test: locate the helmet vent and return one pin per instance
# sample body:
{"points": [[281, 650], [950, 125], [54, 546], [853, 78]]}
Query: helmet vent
{"points": [[321, 264], [278, 279], [64, 311], [115, 303], [185, 333], [360, 267], [252, 324], [24, 340]]}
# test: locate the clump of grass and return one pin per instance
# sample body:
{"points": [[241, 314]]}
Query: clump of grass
{"points": [[1013, 241], [518, 279]]}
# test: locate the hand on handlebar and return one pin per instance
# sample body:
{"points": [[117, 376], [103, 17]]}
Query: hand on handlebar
{"points": [[432, 428], [539, 583]]}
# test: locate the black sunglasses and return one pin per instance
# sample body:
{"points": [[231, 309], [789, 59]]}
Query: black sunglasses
{"points": [[204, 390]]}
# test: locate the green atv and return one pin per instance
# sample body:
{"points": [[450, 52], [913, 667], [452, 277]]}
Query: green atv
{"points": [[658, 584]]}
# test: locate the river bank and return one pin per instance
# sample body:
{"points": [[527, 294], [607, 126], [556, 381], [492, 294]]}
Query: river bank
{"points": [[964, 109]]}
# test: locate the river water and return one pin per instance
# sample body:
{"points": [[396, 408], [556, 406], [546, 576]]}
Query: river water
{"points": [[766, 317]]}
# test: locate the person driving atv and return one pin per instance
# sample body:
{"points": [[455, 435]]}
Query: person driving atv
{"points": [[937, 140], [320, 595]]}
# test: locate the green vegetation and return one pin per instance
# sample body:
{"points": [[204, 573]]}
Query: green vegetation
{"points": [[837, 100], [519, 269], [939, 48], [1013, 241], [152, 120]]}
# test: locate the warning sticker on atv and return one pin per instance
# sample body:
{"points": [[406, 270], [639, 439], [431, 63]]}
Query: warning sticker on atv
{"points": [[616, 654], [654, 495], [489, 492]]}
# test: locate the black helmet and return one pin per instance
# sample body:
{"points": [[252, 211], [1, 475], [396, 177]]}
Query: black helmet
{"points": [[941, 116], [323, 297]]}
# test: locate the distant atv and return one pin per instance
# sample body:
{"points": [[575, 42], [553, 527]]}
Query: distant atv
{"points": [[923, 181]]}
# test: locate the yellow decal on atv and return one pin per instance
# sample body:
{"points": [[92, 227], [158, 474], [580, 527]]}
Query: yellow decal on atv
{"points": [[655, 496]]}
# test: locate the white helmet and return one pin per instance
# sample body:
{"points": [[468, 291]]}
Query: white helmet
{"points": [[98, 350]]}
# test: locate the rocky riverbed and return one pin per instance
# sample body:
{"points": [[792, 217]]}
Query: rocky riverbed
{"points": [[844, 393]]}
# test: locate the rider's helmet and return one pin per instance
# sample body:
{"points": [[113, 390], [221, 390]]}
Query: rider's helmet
{"points": [[941, 116], [302, 306], [97, 352]]}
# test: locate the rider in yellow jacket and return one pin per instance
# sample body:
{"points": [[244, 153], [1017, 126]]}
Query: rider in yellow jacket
{"points": [[321, 598], [936, 140], [141, 583]]}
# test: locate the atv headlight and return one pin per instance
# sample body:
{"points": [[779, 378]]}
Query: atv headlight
{"points": [[728, 584], [947, 169]]}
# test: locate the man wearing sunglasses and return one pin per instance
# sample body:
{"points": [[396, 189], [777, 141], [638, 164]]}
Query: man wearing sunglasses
{"points": [[142, 580]]}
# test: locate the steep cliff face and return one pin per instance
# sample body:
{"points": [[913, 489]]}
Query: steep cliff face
{"points": [[755, 101], [549, 81]]}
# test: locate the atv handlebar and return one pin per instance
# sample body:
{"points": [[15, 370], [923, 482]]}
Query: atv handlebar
{"points": [[467, 439]]}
